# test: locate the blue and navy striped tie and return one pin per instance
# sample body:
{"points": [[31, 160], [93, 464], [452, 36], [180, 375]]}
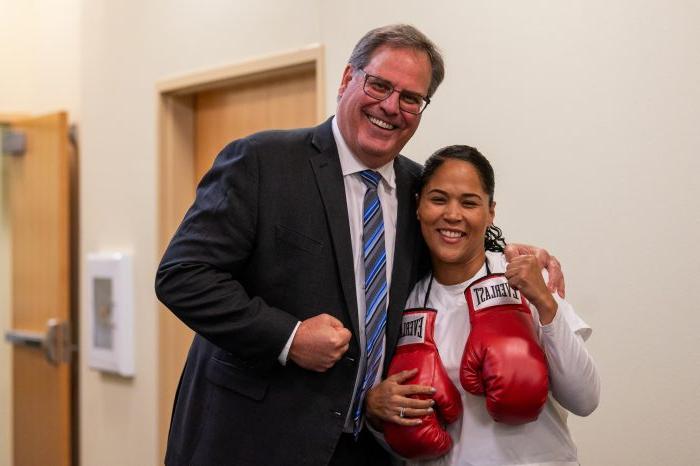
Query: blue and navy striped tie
{"points": [[374, 254]]}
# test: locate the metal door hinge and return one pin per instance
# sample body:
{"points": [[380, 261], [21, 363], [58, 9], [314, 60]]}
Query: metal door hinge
{"points": [[13, 142]]}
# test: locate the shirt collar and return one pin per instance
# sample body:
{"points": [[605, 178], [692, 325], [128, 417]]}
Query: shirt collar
{"points": [[350, 164]]}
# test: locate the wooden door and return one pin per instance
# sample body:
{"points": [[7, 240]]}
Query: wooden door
{"points": [[39, 212], [206, 121], [222, 115]]}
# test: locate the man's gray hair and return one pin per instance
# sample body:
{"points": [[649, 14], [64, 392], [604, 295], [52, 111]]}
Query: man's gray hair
{"points": [[399, 36]]}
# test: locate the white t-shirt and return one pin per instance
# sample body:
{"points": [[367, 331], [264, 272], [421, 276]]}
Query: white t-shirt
{"points": [[574, 384]]}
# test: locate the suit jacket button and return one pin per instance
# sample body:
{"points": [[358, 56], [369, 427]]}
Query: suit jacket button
{"points": [[337, 413]]}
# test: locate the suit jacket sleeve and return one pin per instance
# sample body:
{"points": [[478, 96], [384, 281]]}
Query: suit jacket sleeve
{"points": [[200, 276]]}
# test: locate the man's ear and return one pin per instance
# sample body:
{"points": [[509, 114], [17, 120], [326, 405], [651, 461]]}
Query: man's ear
{"points": [[345, 80]]}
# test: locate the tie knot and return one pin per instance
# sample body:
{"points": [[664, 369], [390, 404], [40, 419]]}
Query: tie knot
{"points": [[370, 178]]}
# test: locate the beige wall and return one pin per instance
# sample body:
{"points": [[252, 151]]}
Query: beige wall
{"points": [[39, 53], [588, 111]]}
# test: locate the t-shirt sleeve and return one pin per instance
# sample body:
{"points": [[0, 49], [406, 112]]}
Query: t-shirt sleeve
{"points": [[573, 376]]}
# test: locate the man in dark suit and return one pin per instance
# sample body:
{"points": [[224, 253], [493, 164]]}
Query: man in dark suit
{"points": [[269, 265]]}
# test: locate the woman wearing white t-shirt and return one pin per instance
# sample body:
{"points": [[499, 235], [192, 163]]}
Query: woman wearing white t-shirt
{"points": [[456, 212]]}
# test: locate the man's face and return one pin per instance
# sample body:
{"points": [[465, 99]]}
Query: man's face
{"points": [[375, 130]]}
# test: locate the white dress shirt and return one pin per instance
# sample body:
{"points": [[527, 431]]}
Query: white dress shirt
{"points": [[355, 190]]}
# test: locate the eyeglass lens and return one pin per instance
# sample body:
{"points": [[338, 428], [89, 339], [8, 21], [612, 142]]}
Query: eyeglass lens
{"points": [[381, 89]]}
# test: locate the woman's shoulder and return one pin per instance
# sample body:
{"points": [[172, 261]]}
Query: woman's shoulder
{"points": [[496, 261], [417, 295], [573, 320]]}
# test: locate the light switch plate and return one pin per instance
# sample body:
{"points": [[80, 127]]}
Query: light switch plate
{"points": [[110, 315]]}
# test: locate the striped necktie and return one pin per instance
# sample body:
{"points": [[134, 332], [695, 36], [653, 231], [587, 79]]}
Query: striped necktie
{"points": [[374, 255]]}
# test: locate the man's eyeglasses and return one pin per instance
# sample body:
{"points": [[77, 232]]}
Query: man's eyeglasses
{"points": [[381, 89]]}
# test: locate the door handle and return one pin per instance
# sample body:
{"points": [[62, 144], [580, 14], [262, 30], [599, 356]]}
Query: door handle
{"points": [[55, 343]]}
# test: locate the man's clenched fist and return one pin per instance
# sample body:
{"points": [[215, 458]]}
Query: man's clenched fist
{"points": [[319, 343]]}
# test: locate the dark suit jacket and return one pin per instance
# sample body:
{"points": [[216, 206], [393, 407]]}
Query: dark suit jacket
{"points": [[266, 244]]}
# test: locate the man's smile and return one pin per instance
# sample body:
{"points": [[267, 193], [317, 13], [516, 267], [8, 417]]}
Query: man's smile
{"points": [[380, 123]]}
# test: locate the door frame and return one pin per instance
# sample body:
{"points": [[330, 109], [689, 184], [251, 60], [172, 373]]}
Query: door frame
{"points": [[176, 170], [6, 408]]}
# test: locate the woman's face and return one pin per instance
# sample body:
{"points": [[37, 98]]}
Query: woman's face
{"points": [[454, 212]]}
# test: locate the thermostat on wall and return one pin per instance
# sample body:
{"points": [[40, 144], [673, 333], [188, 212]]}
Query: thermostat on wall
{"points": [[110, 315]]}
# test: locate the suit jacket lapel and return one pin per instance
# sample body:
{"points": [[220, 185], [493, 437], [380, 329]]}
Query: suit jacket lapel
{"points": [[403, 274], [329, 178]]}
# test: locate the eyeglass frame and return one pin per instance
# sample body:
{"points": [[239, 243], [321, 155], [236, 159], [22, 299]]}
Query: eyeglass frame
{"points": [[393, 89]]}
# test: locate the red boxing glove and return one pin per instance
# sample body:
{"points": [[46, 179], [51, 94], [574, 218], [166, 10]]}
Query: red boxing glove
{"points": [[416, 349], [502, 358]]}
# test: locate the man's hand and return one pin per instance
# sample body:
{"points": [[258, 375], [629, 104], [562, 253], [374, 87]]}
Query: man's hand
{"points": [[387, 400], [523, 273], [319, 343], [545, 260]]}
